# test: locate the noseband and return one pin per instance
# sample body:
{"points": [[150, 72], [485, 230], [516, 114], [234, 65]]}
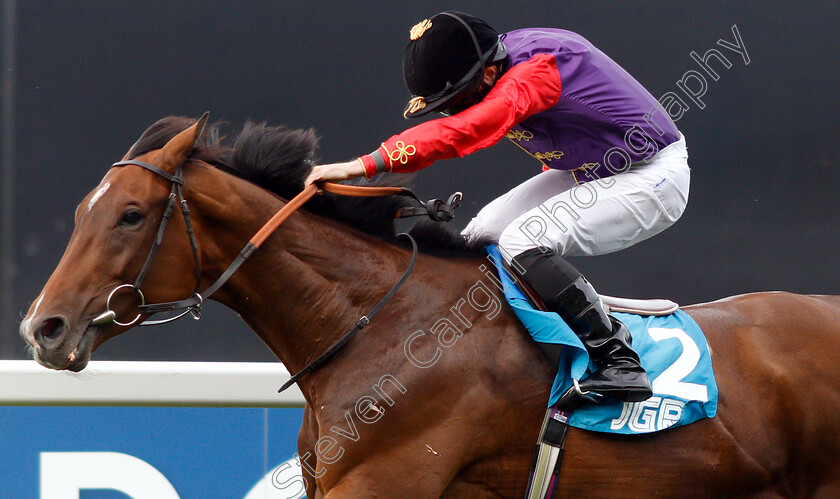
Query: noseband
{"points": [[435, 209]]}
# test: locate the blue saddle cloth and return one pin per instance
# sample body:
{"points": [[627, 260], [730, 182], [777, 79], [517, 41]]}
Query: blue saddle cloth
{"points": [[673, 351]]}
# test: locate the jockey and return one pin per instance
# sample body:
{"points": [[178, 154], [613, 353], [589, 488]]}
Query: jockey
{"points": [[615, 167]]}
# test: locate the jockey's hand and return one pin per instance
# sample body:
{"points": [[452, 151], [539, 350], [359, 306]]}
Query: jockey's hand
{"points": [[335, 171]]}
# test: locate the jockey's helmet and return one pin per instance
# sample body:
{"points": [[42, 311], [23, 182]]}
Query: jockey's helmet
{"points": [[445, 61]]}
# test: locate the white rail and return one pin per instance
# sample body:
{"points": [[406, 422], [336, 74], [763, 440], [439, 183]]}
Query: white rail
{"points": [[173, 384]]}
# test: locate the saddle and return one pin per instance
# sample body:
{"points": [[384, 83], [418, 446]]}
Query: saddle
{"points": [[641, 307], [653, 307]]}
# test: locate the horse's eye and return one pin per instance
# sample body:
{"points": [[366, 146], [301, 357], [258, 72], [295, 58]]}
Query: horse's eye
{"points": [[131, 217]]}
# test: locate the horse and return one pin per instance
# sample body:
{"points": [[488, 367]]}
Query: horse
{"points": [[443, 393]]}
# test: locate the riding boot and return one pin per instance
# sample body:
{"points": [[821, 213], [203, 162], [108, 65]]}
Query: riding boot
{"points": [[564, 290]]}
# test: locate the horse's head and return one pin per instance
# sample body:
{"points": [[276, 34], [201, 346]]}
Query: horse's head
{"points": [[115, 228]]}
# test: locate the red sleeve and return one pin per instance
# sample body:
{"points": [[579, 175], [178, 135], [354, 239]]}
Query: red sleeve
{"points": [[526, 89]]}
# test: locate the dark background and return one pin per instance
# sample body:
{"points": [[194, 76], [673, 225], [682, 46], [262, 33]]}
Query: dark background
{"points": [[92, 75]]}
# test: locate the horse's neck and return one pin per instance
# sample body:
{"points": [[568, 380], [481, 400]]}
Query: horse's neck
{"points": [[309, 281]]}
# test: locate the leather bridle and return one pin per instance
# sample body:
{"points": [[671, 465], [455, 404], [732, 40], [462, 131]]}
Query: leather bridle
{"points": [[435, 209], [192, 304]]}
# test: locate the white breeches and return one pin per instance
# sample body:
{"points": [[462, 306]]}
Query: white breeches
{"points": [[593, 218]]}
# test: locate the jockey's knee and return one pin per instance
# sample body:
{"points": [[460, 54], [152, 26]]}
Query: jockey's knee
{"points": [[479, 230], [523, 235], [488, 224]]}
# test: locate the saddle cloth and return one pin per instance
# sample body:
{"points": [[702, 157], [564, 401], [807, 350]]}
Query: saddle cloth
{"points": [[673, 351]]}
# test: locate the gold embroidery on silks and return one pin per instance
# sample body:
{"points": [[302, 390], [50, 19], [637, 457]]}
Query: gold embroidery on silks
{"points": [[529, 153], [549, 155], [402, 152], [418, 29], [414, 105], [583, 168], [520, 135]]}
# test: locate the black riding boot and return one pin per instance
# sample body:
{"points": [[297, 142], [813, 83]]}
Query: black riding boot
{"points": [[564, 290]]}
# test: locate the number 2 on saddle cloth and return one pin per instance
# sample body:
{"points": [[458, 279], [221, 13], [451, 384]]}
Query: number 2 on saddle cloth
{"points": [[673, 351], [672, 348]]}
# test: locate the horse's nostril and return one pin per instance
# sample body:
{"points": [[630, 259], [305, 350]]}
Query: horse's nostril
{"points": [[51, 329]]}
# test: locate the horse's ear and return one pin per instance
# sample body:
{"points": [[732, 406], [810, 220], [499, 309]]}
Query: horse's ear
{"points": [[176, 150]]}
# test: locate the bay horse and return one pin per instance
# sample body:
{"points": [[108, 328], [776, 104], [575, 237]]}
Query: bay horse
{"points": [[443, 393]]}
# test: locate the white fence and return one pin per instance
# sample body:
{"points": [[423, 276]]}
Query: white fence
{"points": [[170, 384]]}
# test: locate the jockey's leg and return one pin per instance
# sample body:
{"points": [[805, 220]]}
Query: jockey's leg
{"points": [[491, 220], [602, 216], [565, 291], [489, 223], [590, 219]]}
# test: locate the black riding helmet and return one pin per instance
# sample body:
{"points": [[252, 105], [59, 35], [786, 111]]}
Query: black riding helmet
{"points": [[445, 60]]}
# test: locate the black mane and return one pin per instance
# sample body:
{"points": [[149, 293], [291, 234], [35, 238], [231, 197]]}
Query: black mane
{"points": [[279, 159]]}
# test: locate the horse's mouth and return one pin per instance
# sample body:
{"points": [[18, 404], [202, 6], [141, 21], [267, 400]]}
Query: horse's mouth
{"points": [[79, 357]]}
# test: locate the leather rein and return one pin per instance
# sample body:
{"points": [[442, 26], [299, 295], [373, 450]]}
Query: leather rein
{"points": [[435, 209]]}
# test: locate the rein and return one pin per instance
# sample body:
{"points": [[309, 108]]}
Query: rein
{"points": [[360, 324], [435, 209]]}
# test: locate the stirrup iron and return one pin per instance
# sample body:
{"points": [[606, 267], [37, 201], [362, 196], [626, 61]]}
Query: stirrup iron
{"points": [[575, 397]]}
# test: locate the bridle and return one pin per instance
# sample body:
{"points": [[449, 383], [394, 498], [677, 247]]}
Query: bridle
{"points": [[435, 209], [193, 304]]}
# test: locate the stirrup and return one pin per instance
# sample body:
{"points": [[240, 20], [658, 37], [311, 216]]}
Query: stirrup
{"points": [[575, 397]]}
